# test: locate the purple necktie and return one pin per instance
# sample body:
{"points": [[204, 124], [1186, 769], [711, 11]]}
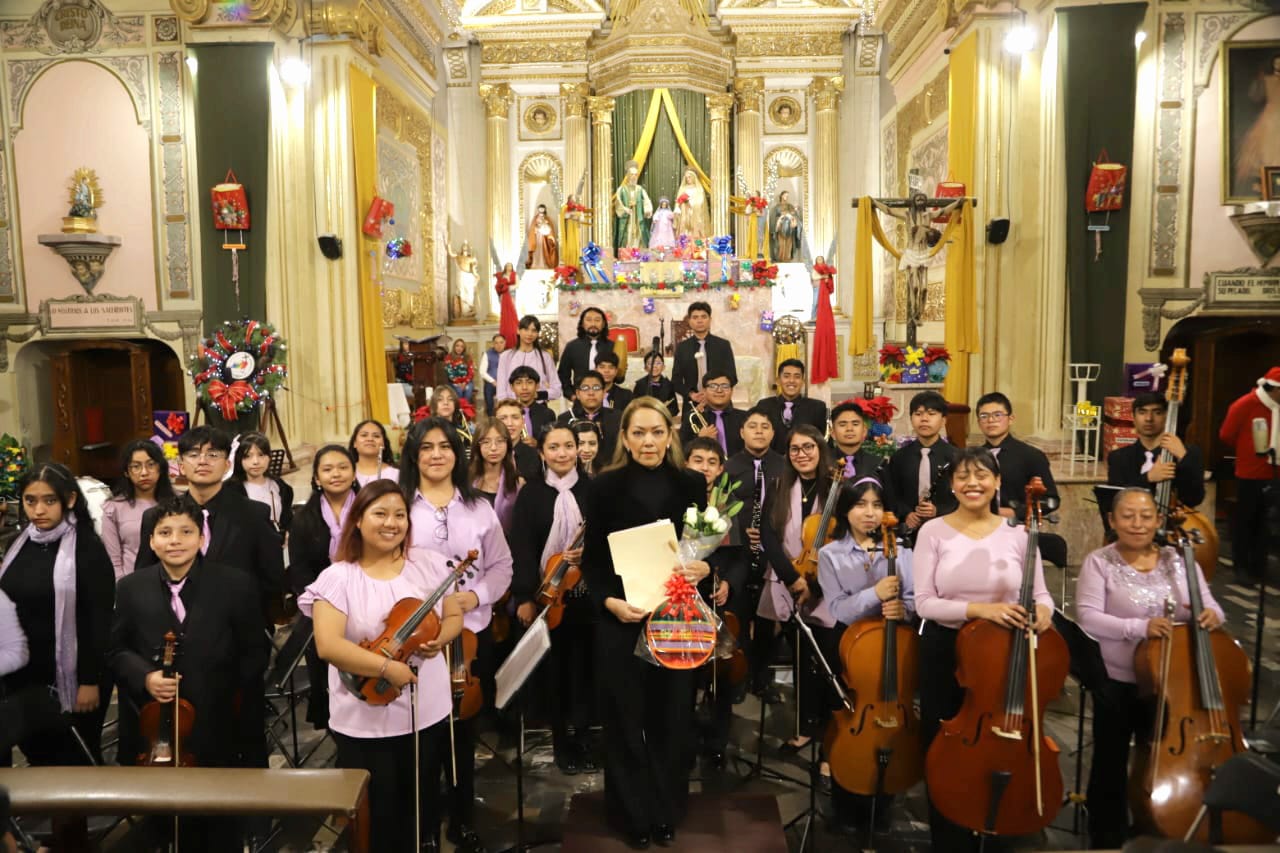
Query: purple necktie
{"points": [[786, 412], [850, 470], [175, 600], [720, 433], [528, 422], [205, 533]]}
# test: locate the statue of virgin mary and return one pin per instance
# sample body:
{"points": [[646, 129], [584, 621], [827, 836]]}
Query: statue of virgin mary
{"points": [[692, 218]]}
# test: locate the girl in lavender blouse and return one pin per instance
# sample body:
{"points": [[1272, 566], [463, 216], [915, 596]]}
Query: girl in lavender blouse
{"points": [[252, 461], [1120, 600], [349, 603], [493, 470], [371, 449], [452, 519], [967, 565], [145, 480]]}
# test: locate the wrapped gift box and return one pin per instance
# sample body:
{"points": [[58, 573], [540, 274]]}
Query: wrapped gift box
{"points": [[168, 425], [1117, 435], [1118, 409], [1138, 379]]}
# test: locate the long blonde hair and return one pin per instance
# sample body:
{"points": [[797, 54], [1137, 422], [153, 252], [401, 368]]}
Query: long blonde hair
{"points": [[675, 455]]}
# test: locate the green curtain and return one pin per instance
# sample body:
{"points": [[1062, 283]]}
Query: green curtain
{"points": [[665, 166], [1098, 96], [233, 126]]}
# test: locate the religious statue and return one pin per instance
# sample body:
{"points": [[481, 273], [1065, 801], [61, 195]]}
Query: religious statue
{"points": [[463, 304], [632, 210], [574, 218], [692, 219], [540, 240], [663, 235], [785, 229], [921, 238], [505, 284], [85, 198], [752, 206]]}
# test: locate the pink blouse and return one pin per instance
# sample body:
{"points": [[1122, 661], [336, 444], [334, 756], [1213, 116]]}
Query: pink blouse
{"points": [[387, 472], [366, 602], [122, 531], [951, 570]]}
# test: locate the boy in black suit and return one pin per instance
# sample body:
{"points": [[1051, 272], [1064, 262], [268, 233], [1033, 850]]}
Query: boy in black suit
{"points": [[1018, 461], [723, 421], [615, 396], [701, 355], [524, 447], [1139, 464], [791, 406], [588, 405], [916, 466], [850, 426], [524, 387]]}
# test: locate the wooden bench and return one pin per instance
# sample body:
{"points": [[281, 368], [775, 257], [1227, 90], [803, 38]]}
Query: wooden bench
{"points": [[84, 791]]}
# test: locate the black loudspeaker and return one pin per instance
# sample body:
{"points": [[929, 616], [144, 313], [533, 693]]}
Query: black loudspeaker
{"points": [[997, 231], [330, 246]]}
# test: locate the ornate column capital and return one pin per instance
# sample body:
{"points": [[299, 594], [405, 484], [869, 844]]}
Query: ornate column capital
{"points": [[826, 92], [601, 109], [575, 99], [750, 94], [355, 19], [497, 99], [719, 106]]}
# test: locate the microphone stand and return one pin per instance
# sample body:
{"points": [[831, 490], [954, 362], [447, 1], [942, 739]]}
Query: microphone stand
{"points": [[1270, 508]]}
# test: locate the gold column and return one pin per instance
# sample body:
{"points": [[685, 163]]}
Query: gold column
{"points": [[749, 128], [718, 106], [602, 156], [497, 106], [826, 174], [576, 134]]}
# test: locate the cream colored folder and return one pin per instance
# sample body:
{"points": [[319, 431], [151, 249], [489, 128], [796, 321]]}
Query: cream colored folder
{"points": [[644, 557]]}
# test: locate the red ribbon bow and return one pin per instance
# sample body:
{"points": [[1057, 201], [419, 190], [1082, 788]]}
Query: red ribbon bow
{"points": [[228, 397], [177, 423], [680, 594]]}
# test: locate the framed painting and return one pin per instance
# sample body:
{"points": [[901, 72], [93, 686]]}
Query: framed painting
{"points": [[1250, 117]]}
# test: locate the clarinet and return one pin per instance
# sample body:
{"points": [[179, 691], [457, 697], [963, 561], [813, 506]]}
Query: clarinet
{"points": [[755, 578]]}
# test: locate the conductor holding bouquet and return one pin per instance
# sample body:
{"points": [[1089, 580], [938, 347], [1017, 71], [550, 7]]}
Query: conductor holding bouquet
{"points": [[646, 710]]}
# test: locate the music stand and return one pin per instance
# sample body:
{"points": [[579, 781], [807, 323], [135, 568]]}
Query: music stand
{"points": [[510, 680]]}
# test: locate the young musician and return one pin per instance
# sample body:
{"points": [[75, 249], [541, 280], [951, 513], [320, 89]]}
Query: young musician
{"points": [[655, 384], [145, 480], [371, 449], [253, 458], [1139, 464], [616, 397], [493, 470], [1254, 471], [589, 438], [854, 575], [1019, 461], [967, 565], [1120, 599], [646, 710], [791, 406], [588, 405], [550, 510], [59, 577], [489, 371], [444, 404], [850, 426], [723, 421], [454, 519], [524, 454], [313, 544], [349, 604], [913, 469], [589, 344], [699, 354], [524, 387], [528, 353]]}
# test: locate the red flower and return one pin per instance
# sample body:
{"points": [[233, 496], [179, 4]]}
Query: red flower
{"points": [[467, 409], [932, 354], [683, 198], [757, 202], [177, 423], [421, 413], [662, 285], [892, 354]]}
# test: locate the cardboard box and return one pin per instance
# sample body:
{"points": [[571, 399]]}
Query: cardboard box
{"points": [[1119, 409], [168, 425], [1117, 435]]}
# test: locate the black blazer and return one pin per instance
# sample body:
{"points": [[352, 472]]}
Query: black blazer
{"points": [[607, 419], [733, 421], [1019, 462], [904, 467], [241, 536], [618, 398], [805, 410], [286, 501], [535, 507], [541, 415], [664, 391], [684, 374], [1124, 467], [574, 361], [865, 464], [308, 547], [528, 462], [222, 655]]}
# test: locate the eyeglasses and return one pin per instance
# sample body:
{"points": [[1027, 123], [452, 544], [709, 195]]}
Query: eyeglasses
{"points": [[717, 386], [590, 388], [494, 442], [442, 530], [802, 449], [139, 467], [993, 416], [210, 455]]}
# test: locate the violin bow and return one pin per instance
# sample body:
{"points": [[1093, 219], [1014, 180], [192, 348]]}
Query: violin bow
{"points": [[1033, 514], [1166, 657], [417, 793]]}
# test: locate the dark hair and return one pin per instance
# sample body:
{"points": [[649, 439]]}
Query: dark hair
{"points": [[411, 477], [756, 410], [528, 321], [179, 505], [1150, 398], [651, 357], [712, 375], [930, 400], [351, 542], [608, 357], [975, 455], [247, 440], [604, 329], [64, 485], [994, 397], [125, 488], [850, 494], [550, 428], [386, 442], [524, 371], [791, 362], [497, 335], [583, 425], [475, 468], [197, 437], [698, 306], [591, 374], [710, 445], [848, 406], [317, 491], [781, 495]]}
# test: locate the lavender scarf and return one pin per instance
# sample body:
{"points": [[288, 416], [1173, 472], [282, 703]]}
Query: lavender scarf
{"points": [[566, 518], [64, 598], [335, 524]]}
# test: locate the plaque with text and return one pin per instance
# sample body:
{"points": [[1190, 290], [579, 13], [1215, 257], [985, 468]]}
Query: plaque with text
{"points": [[1242, 289], [88, 314]]}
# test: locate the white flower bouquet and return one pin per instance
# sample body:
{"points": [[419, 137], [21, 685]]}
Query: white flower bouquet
{"points": [[705, 530]]}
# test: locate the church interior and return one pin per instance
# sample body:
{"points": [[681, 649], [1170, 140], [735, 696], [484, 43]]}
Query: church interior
{"points": [[294, 217]]}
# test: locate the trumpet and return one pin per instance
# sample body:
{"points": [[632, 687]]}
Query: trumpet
{"points": [[697, 420]]}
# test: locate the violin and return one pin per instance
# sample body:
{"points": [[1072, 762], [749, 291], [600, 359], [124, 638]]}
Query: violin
{"points": [[990, 769], [468, 698], [877, 748], [411, 624], [817, 530], [500, 623], [1200, 679], [165, 725], [558, 578], [732, 669]]}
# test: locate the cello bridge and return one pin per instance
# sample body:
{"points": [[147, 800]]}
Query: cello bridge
{"points": [[890, 723], [1004, 733], [1214, 737]]}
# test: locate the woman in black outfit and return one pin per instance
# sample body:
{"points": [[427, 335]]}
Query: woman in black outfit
{"points": [[550, 509], [58, 575], [646, 710]]}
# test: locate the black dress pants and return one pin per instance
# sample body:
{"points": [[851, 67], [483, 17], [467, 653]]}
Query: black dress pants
{"points": [[1118, 714], [1250, 531]]}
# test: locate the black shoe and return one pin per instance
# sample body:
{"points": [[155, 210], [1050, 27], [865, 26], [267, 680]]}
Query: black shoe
{"points": [[637, 840], [823, 781], [664, 835], [465, 840], [568, 763], [789, 748], [586, 761]]}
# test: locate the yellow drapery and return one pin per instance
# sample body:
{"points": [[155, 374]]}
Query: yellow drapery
{"points": [[662, 100], [365, 154], [961, 320], [782, 352]]}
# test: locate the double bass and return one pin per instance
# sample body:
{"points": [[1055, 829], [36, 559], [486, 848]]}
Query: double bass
{"points": [[1200, 679], [165, 725], [877, 748], [991, 769]]}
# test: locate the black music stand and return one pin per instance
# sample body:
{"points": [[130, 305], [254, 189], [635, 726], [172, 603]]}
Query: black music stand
{"points": [[1090, 673]]}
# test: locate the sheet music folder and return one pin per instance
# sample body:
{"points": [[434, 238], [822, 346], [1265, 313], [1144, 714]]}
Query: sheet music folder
{"points": [[522, 661], [644, 557]]}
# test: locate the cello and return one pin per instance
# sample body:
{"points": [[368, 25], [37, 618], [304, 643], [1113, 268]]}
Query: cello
{"points": [[1201, 529], [165, 725], [877, 748], [411, 624], [1201, 680], [558, 578], [816, 531], [990, 769]]}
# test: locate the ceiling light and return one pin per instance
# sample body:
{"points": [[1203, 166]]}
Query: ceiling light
{"points": [[294, 72]]}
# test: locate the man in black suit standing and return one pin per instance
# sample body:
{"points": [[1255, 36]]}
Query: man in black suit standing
{"points": [[524, 387], [700, 355], [580, 354], [723, 421], [918, 465], [1018, 461], [1139, 464], [791, 406], [588, 405]]}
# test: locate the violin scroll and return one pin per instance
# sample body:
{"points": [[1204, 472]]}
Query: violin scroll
{"points": [[1035, 492]]}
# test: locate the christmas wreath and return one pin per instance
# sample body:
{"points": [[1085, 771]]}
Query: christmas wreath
{"points": [[238, 366]]}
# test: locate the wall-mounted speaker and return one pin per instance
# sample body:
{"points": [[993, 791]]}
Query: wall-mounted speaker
{"points": [[997, 231], [330, 246]]}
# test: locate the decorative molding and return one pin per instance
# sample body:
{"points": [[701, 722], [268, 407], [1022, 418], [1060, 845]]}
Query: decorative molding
{"points": [[165, 29], [1153, 310], [795, 156], [601, 109], [1211, 30], [7, 232], [1165, 203], [529, 52], [133, 71], [539, 119], [869, 42], [59, 27], [720, 106], [354, 19], [553, 167], [497, 99], [417, 37], [659, 44], [799, 44], [930, 103], [173, 173], [750, 94], [280, 14], [458, 65]]}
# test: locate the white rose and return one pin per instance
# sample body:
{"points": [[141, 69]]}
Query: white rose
{"points": [[720, 525], [691, 516], [711, 516]]}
